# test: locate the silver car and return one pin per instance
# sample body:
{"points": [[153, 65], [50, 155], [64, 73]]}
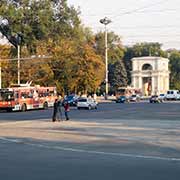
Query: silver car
{"points": [[134, 98], [87, 103]]}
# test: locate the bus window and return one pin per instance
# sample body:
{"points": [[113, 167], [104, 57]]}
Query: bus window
{"points": [[51, 93], [16, 95], [24, 95], [6, 96]]}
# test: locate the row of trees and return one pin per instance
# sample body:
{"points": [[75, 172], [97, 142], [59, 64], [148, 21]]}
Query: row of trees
{"points": [[76, 55]]}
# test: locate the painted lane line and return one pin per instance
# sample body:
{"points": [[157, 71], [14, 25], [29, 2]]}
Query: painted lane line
{"points": [[92, 152], [10, 140]]}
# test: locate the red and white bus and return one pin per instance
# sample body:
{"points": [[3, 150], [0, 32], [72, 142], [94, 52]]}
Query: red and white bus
{"points": [[22, 97]]}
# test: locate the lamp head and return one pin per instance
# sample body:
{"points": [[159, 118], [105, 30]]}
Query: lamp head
{"points": [[105, 21]]}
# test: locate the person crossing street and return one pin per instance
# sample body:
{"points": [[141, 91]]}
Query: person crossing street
{"points": [[66, 110]]}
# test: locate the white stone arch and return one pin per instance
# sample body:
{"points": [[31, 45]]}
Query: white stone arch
{"points": [[147, 67], [150, 74]]}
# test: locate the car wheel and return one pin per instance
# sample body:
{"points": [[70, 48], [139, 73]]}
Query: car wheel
{"points": [[9, 110]]}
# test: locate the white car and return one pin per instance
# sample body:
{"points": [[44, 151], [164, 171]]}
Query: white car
{"points": [[87, 103], [172, 95], [162, 97]]}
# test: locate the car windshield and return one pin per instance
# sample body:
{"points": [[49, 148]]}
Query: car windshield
{"points": [[122, 97], [161, 94], [70, 97], [82, 100]]}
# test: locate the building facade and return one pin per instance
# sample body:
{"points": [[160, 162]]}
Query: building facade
{"points": [[150, 75]]}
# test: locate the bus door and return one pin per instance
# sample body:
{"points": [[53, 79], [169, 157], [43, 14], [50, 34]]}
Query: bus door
{"points": [[36, 99], [6, 99]]}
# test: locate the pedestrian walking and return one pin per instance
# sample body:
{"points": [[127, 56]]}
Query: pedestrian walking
{"points": [[55, 111], [66, 110]]}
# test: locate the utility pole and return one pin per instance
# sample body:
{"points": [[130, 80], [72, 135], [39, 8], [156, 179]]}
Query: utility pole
{"points": [[18, 49], [106, 21], [0, 77], [18, 40]]}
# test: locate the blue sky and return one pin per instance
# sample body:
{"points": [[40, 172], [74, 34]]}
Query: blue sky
{"points": [[135, 20]]}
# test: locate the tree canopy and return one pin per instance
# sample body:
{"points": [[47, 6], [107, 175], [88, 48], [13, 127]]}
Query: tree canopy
{"points": [[52, 28], [175, 69], [28, 21]]}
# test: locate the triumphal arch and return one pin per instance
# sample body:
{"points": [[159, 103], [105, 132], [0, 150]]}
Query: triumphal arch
{"points": [[150, 75]]}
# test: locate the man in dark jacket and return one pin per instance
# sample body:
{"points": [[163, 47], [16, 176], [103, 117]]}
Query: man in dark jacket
{"points": [[56, 112]]}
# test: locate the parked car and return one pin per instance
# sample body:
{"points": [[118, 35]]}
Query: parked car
{"points": [[122, 99], [134, 98], [154, 99], [71, 99], [178, 97], [87, 103], [162, 97], [173, 95]]}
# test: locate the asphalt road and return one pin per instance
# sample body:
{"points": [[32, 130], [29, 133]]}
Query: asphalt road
{"points": [[117, 141], [107, 111]]}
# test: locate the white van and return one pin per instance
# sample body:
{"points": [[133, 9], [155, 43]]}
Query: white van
{"points": [[173, 95]]}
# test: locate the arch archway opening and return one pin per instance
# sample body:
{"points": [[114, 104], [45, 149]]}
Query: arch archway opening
{"points": [[146, 86], [146, 67]]}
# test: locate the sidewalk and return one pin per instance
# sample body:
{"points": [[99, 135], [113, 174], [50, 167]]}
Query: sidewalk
{"points": [[115, 133], [65, 131]]}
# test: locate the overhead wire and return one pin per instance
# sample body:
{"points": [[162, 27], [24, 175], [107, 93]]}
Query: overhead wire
{"points": [[138, 9]]}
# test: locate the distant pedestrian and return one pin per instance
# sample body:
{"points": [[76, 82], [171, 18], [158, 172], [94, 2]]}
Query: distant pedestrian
{"points": [[60, 107], [66, 110], [56, 111]]}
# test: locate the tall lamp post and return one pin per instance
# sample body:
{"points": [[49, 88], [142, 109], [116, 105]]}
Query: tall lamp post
{"points": [[0, 75], [106, 21], [18, 40]]}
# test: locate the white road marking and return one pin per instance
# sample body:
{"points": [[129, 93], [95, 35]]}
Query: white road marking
{"points": [[21, 122], [91, 151]]}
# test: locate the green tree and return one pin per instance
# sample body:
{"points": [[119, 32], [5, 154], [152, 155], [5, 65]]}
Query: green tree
{"points": [[117, 75], [175, 69], [115, 48], [40, 24], [74, 66], [5, 51], [36, 20], [90, 70]]}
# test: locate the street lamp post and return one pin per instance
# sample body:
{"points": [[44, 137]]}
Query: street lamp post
{"points": [[0, 77], [18, 49], [106, 21], [18, 40]]}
